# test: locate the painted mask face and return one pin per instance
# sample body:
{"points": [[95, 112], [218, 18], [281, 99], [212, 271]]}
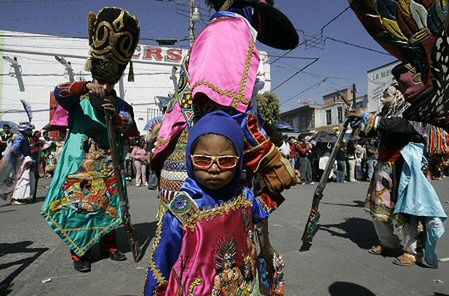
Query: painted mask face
{"points": [[113, 37], [388, 96]]}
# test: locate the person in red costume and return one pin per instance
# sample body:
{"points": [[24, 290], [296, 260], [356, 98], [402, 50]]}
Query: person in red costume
{"points": [[305, 167]]}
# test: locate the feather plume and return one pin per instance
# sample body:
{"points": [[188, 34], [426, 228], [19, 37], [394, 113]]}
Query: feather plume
{"points": [[91, 20], [28, 110]]}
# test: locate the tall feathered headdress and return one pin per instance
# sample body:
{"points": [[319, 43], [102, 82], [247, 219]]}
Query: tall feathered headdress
{"points": [[28, 110]]}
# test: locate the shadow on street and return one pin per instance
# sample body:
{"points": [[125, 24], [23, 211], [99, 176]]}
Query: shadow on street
{"points": [[360, 231], [357, 204], [144, 232], [349, 289], [17, 248]]}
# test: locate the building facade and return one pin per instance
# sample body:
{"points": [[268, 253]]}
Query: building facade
{"points": [[326, 116], [30, 70]]}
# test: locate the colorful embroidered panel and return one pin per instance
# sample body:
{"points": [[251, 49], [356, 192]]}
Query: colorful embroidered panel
{"points": [[82, 204], [233, 251]]}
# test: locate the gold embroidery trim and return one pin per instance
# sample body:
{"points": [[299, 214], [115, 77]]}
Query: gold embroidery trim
{"points": [[370, 125], [237, 97], [157, 273], [240, 202], [161, 142], [87, 228], [255, 147], [264, 205], [87, 246]]}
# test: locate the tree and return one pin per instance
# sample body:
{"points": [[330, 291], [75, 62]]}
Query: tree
{"points": [[269, 108]]}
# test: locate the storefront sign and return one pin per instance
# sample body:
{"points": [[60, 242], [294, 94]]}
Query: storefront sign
{"points": [[378, 80], [159, 54]]}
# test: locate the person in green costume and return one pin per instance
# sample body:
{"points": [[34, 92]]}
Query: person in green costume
{"points": [[83, 205]]}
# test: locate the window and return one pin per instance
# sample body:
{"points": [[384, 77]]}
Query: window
{"points": [[340, 114], [328, 117]]}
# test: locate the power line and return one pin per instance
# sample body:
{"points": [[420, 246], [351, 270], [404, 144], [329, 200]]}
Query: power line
{"points": [[307, 89], [80, 37], [293, 58], [303, 68], [37, 1], [42, 18], [335, 18], [358, 46], [321, 30], [283, 56], [85, 32], [331, 77]]}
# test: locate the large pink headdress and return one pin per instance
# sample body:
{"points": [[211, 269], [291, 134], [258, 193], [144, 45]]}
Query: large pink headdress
{"points": [[223, 63]]}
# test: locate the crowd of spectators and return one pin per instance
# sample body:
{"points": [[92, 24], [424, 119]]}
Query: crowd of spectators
{"points": [[138, 153], [355, 161], [45, 151]]}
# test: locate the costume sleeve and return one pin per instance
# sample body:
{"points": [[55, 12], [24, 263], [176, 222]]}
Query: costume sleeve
{"points": [[164, 253], [259, 212], [302, 150], [394, 125], [17, 144], [68, 94]]}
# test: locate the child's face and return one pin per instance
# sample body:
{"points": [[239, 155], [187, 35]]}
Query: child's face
{"points": [[214, 177]]}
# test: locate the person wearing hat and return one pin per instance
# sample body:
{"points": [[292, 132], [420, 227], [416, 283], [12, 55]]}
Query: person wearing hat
{"points": [[5, 135], [400, 194], [223, 71], [23, 179], [273, 27], [83, 206]]}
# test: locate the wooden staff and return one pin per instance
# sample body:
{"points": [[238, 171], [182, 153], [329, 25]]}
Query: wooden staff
{"points": [[126, 217], [314, 216]]}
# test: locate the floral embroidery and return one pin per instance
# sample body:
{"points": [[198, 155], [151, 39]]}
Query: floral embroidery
{"points": [[90, 188]]}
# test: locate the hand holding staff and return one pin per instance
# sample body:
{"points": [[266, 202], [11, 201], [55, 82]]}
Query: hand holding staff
{"points": [[314, 216], [126, 217]]}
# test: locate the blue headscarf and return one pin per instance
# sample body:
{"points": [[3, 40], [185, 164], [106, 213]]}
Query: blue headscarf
{"points": [[245, 11], [219, 123]]}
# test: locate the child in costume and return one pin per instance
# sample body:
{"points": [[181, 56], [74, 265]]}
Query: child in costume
{"points": [[205, 244], [224, 72]]}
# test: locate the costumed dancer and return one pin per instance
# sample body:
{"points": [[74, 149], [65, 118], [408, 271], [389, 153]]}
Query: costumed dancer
{"points": [[400, 194], [20, 179], [83, 205], [228, 83], [206, 242]]}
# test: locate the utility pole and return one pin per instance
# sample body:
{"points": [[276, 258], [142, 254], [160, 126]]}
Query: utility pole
{"points": [[121, 87], [191, 22], [354, 95], [17, 71], [68, 67], [194, 16]]}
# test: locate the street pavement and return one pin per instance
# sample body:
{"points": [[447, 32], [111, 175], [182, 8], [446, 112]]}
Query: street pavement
{"points": [[35, 261]]}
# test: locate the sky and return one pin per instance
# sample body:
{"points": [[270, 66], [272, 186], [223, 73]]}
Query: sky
{"points": [[338, 67]]}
